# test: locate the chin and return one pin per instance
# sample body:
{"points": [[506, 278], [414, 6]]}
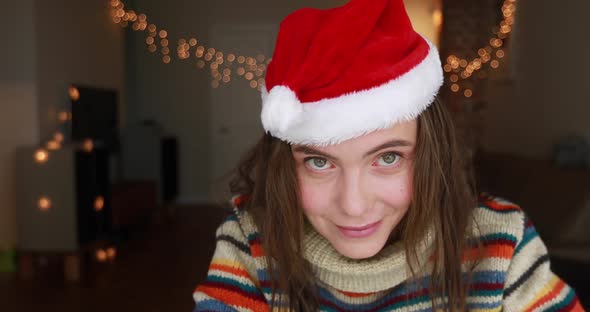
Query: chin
{"points": [[359, 250]]}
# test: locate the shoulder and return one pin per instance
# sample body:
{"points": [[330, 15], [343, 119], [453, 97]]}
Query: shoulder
{"points": [[238, 227], [496, 210], [499, 218]]}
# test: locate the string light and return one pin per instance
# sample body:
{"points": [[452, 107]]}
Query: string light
{"points": [[74, 93], [215, 57], [53, 145], [111, 253], [99, 204], [101, 255], [88, 145], [41, 156], [44, 203], [485, 54]]}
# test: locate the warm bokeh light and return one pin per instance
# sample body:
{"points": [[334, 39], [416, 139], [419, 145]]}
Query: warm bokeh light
{"points": [[58, 137], [468, 93], [53, 145], [88, 145], [44, 203], [111, 253], [63, 116], [101, 255], [99, 204], [74, 93], [41, 156], [455, 87], [437, 18]]}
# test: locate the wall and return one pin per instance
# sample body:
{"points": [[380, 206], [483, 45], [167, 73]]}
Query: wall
{"points": [[76, 43], [544, 97], [18, 109]]}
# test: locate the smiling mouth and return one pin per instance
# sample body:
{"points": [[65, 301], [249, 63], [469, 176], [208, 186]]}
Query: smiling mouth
{"points": [[360, 231], [359, 228]]}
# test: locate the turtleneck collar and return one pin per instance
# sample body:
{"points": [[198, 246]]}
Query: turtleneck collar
{"points": [[385, 270]]}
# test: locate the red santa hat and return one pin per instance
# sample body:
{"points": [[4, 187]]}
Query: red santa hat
{"points": [[340, 73]]}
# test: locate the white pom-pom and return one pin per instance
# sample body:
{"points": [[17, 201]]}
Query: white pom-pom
{"points": [[280, 109]]}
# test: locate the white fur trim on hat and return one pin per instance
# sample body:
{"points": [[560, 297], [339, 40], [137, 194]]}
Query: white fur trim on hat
{"points": [[334, 120]]}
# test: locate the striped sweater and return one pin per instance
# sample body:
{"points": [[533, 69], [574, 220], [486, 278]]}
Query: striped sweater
{"points": [[514, 275]]}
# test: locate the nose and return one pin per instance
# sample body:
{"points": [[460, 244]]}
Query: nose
{"points": [[354, 200]]}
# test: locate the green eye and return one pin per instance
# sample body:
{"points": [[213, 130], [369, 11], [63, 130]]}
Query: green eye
{"points": [[317, 163], [388, 159]]}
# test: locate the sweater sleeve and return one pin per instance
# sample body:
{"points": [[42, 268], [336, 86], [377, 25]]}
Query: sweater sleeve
{"points": [[231, 283], [530, 283]]}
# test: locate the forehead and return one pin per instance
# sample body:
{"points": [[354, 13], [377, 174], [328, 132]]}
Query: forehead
{"points": [[403, 131]]}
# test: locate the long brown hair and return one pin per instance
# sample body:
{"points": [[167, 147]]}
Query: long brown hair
{"points": [[443, 199]]}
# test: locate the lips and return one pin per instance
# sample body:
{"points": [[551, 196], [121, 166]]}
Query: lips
{"points": [[360, 231]]}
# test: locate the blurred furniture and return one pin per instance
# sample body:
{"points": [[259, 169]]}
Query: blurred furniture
{"points": [[63, 205]]}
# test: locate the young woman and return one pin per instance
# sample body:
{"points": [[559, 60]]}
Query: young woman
{"points": [[356, 198]]}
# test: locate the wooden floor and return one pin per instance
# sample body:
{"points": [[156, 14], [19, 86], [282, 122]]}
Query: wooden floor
{"points": [[157, 270]]}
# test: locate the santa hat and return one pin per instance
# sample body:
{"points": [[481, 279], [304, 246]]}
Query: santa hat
{"points": [[340, 73]]}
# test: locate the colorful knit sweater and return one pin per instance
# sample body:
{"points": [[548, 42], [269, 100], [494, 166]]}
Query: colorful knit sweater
{"points": [[513, 276]]}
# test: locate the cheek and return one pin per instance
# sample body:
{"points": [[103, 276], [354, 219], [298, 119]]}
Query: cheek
{"points": [[396, 191], [314, 197]]}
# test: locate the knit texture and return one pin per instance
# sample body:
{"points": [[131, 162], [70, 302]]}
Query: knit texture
{"points": [[514, 274]]}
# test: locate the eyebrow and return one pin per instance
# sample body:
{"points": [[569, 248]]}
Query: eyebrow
{"points": [[388, 144]]}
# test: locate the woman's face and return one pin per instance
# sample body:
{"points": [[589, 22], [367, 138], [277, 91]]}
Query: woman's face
{"points": [[356, 192]]}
